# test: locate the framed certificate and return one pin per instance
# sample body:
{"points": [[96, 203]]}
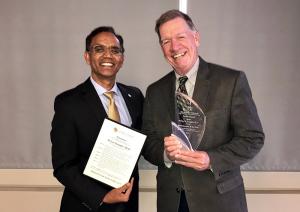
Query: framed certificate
{"points": [[115, 154]]}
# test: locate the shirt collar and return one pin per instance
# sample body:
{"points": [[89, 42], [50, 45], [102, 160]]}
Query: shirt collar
{"points": [[100, 90], [192, 73]]}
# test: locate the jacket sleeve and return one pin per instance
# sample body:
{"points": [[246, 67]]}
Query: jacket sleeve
{"points": [[67, 162], [248, 136], [153, 149]]}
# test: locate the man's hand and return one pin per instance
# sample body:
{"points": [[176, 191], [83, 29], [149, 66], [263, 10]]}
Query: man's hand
{"points": [[119, 194], [198, 160], [172, 146]]}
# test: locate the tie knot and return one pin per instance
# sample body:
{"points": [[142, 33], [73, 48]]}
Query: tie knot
{"points": [[182, 80], [181, 87], [109, 94]]}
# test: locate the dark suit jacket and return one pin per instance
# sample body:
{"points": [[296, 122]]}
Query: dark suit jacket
{"points": [[78, 117], [233, 136]]}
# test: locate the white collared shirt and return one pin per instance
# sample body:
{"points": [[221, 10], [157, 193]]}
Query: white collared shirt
{"points": [[119, 101], [192, 75]]}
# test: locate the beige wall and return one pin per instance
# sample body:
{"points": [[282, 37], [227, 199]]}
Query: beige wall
{"points": [[35, 190]]}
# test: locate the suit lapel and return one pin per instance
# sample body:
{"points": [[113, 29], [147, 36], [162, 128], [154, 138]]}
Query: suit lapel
{"points": [[169, 94], [129, 100], [202, 85], [93, 101]]}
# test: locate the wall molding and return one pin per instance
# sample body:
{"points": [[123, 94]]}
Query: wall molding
{"points": [[42, 180]]}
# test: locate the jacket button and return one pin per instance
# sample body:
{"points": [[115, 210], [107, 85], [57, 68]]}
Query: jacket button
{"points": [[178, 190]]}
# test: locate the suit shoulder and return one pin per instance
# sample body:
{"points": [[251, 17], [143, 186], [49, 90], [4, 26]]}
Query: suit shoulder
{"points": [[68, 95], [165, 80], [130, 89], [223, 71], [224, 76]]}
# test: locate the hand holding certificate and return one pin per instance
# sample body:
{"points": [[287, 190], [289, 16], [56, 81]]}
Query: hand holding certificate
{"points": [[115, 154]]}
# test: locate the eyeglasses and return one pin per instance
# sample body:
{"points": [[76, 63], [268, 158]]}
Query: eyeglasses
{"points": [[113, 50]]}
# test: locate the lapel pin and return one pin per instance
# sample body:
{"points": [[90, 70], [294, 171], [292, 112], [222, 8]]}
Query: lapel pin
{"points": [[129, 95]]}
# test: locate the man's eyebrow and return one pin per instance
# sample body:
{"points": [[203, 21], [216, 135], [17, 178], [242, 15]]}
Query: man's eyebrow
{"points": [[102, 45]]}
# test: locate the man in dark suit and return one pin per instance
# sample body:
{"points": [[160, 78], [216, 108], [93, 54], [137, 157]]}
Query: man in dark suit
{"points": [[79, 114], [209, 178]]}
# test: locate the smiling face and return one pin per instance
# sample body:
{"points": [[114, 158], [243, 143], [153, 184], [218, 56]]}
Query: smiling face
{"points": [[105, 58], [179, 44]]}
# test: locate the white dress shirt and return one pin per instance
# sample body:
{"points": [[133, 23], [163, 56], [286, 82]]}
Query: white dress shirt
{"points": [[125, 117]]}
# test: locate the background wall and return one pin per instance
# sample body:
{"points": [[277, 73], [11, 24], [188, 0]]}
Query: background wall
{"points": [[41, 55]]}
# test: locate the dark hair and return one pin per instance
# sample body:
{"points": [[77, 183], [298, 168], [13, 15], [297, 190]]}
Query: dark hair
{"points": [[99, 30], [170, 15]]}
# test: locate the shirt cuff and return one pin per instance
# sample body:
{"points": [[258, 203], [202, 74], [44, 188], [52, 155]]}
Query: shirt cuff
{"points": [[167, 161], [211, 169]]}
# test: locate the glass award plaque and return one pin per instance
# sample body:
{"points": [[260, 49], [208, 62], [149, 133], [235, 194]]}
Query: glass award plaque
{"points": [[191, 122]]}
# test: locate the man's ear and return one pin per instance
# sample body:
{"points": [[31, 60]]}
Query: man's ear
{"points": [[197, 38], [87, 57]]}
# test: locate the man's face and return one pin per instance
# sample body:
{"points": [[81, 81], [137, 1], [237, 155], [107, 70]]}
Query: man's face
{"points": [[105, 57], [179, 44]]}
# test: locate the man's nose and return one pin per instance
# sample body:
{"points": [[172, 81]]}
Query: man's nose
{"points": [[107, 53], [175, 45]]}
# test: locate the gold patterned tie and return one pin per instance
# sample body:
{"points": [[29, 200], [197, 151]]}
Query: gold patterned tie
{"points": [[113, 112]]}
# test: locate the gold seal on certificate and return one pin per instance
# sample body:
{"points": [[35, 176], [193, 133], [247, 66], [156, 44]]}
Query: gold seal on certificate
{"points": [[115, 154], [191, 122]]}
